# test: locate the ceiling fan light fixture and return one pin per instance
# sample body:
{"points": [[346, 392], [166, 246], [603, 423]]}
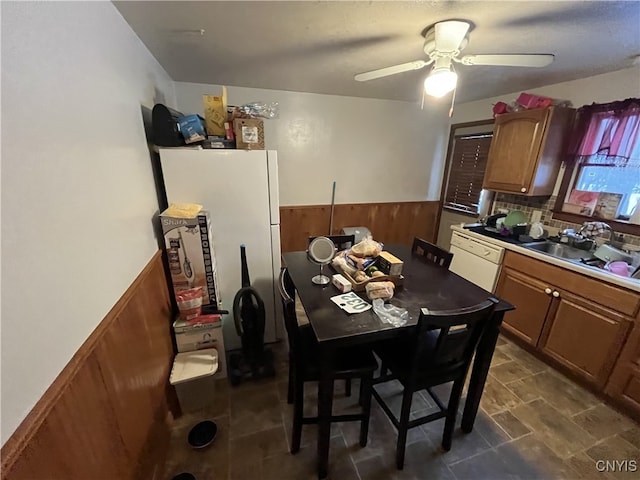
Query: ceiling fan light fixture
{"points": [[440, 82]]}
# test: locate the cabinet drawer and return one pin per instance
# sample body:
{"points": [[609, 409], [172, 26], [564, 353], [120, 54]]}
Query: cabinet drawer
{"points": [[610, 296]]}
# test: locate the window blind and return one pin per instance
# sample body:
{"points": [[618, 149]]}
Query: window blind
{"points": [[466, 172]]}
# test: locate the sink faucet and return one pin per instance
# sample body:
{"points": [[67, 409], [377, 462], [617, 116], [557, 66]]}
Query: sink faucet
{"points": [[576, 240], [596, 228]]}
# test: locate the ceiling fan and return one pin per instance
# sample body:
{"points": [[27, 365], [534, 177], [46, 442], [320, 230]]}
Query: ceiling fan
{"points": [[443, 43]]}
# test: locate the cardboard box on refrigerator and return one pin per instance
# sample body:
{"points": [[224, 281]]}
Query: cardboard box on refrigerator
{"points": [[191, 337], [249, 133], [190, 249]]}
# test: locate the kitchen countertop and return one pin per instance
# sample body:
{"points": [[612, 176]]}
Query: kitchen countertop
{"points": [[594, 272]]}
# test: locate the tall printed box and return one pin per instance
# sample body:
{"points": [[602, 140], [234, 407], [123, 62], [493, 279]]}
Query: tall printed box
{"points": [[190, 250]]}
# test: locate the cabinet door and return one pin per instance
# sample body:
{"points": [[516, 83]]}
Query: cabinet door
{"points": [[516, 144], [624, 383], [531, 302], [584, 336]]}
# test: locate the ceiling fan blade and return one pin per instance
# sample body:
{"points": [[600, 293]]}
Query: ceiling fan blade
{"points": [[384, 72], [450, 34], [523, 60]]}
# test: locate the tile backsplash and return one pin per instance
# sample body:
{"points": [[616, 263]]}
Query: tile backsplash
{"points": [[545, 204]]}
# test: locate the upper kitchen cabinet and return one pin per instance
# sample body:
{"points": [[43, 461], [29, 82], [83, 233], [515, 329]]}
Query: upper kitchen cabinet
{"points": [[527, 150]]}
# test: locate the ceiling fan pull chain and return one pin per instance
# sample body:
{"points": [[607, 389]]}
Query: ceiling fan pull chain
{"points": [[453, 97]]}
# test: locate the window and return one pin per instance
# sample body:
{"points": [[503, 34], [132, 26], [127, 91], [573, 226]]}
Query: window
{"points": [[603, 179], [623, 181], [463, 181]]}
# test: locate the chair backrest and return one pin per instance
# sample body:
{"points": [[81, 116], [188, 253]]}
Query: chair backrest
{"points": [[287, 295], [431, 253], [342, 242], [447, 339]]}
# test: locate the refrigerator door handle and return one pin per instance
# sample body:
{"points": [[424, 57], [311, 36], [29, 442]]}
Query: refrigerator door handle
{"points": [[274, 191]]}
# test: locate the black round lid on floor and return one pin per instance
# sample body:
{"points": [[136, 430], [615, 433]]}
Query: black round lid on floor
{"points": [[184, 476], [202, 434]]}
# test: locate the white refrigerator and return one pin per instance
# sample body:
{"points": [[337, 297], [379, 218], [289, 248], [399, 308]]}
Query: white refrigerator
{"points": [[240, 189]]}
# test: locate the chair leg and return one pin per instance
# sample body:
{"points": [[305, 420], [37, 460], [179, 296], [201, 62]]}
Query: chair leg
{"points": [[290, 385], [347, 387], [452, 410], [298, 404], [365, 401], [403, 422]]}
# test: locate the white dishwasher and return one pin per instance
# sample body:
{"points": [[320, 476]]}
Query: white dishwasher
{"points": [[476, 260]]}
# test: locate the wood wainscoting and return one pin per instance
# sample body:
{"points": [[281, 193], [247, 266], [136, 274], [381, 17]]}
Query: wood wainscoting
{"points": [[389, 222], [106, 415]]}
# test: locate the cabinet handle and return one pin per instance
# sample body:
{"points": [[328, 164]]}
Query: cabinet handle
{"points": [[547, 291], [556, 294], [523, 190]]}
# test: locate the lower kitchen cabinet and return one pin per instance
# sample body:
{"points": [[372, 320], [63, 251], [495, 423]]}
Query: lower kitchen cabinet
{"points": [[531, 302], [624, 383], [584, 326], [583, 336]]}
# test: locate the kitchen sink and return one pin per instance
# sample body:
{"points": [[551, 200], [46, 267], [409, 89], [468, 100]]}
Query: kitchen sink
{"points": [[558, 250], [576, 256]]}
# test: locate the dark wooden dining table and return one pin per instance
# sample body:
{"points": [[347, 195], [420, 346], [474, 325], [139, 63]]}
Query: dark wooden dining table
{"points": [[425, 285]]}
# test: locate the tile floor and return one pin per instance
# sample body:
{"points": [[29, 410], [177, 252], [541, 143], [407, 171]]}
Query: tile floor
{"points": [[533, 424]]}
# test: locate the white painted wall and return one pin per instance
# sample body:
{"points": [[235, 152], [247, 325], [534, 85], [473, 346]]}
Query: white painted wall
{"points": [[376, 150], [77, 189]]}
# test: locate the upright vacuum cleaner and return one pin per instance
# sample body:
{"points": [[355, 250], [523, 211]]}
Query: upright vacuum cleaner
{"points": [[254, 360]]}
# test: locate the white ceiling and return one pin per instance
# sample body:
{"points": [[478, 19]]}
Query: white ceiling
{"points": [[319, 46]]}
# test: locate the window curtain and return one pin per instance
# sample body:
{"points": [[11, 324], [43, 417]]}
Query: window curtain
{"points": [[608, 133]]}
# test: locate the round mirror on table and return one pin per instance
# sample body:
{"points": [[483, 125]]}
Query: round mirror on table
{"points": [[321, 252]]}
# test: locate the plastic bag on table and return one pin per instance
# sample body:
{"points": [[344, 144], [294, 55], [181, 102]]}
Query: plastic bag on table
{"points": [[388, 313], [359, 263], [340, 264], [367, 247], [383, 290]]}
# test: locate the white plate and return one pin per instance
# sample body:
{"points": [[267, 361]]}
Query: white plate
{"points": [[537, 230]]}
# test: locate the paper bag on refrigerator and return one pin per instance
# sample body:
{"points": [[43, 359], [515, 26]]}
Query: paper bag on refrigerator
{"points": [[215, 113]]}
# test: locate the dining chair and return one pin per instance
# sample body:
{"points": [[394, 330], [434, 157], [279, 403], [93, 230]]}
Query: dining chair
{"points": [[306, 332], [349, 363], [439, 352], [431, 253], [342, 242]]}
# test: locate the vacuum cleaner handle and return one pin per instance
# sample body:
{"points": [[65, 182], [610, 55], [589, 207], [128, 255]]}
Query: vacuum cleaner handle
{"points": [[248, 291]]}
